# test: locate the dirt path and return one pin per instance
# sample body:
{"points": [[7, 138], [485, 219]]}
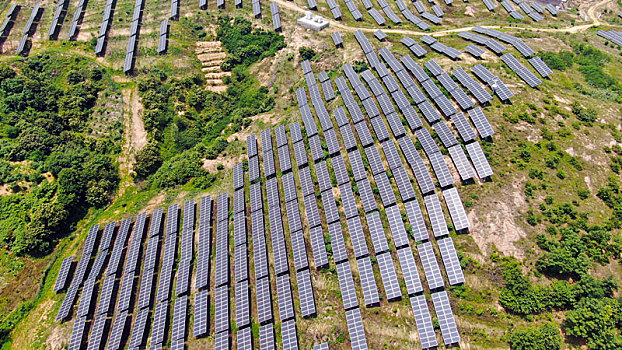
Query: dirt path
{"points": [[591, 13], [134, 137]]}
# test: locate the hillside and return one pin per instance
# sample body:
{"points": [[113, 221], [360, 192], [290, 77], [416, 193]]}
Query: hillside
{"points": [[89, 139]]}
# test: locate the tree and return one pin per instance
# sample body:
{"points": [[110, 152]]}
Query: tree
{"points": [[544, 337], [147, 160]]}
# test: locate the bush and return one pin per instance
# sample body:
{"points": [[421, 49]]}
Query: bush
{"points": [[306, 53], [544, 337]]}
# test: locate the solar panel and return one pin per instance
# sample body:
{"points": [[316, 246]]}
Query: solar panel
{"points": [[322, 176], [346, 284], [541, 67], [461, 162], [151, 254], [241, 263], [367, 196], [301, 154], [268, 164], [427, 142], [323, 346], [103, 306], [357, 236], [451, 261], [456, 209], [370, 108], [482, 167], [373, 158], [409, 270], [337, 241], [368, 282], [289, 335], [266, 337], [299, 250], [464, 128], [430, 265], [404, 185], [330, 207], [86, 299], [179, 343], [356, 329], [317, 244], [285, 159], [221, 315], [364, 135], [251, 145], [284, 295], [428, 111], [356, 162], [95, 339], [61, 280], [238, 176], [389, 276], [266, 140], [259, 246], [160, 319], [245, 339], [415, 217], [445, 316], [179, 318], [305, 293], [279, 131], [522, 71], [339, 168], [203, 257], [138, 329], [396, 225], [77, 333], [222, 253], [253, 169], [242, 304], [116, 333], [201, 307], [427, 336], [264, 301], [384, 188], [125, 295]]}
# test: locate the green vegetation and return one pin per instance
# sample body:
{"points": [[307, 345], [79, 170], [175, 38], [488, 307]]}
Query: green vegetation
{"points": [[544, 337], [53, 163], [185, 122]]}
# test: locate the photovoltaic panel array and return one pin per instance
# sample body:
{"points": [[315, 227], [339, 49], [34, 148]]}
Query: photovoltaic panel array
{"points": [[346, 284], [451, 261], [63, 274], [423, 320], [221, 315], [396, 225], [305, 293], [430, 265], [368, 282], [389, 276], [409, 270], [446, 319], [242, 304], [482, 167], [356, 329], [204, 244]]}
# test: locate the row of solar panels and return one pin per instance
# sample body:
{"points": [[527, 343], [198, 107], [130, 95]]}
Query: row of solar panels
{"points": [[611, 35], [163, 41], [105, 27], [518, 44], [369, 288], [8, 21], [34, 16], [256, 8], [441, 48], [61, 7], [432, 116], [146, 282], [130, 53], [276, 17]]}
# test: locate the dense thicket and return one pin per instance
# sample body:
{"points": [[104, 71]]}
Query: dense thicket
{"points": [[187, 123], [45, 104]]}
